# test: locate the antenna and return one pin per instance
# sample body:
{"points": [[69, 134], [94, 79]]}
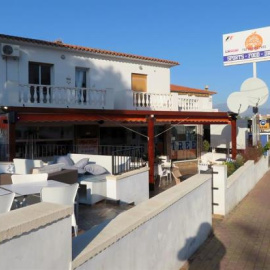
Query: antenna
{"points": [[237, 102]]}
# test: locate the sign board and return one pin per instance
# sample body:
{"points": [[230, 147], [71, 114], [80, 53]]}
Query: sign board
{"points": [[246, 46]]}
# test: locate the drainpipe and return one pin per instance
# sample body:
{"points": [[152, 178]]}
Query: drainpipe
{"points": [[151, 150]]}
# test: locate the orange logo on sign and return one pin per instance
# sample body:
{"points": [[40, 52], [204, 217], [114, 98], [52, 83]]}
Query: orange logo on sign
{"points": [[253, 42]]}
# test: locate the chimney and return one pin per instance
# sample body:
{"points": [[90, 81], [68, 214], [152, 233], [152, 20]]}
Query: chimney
{"points": [[206, 87]]}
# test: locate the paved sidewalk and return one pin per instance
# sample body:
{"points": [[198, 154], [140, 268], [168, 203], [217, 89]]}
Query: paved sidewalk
{"points": [[242, 239]]}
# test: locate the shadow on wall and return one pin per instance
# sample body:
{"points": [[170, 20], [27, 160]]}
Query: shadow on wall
{"points": [[105, 74], [210, 250]]}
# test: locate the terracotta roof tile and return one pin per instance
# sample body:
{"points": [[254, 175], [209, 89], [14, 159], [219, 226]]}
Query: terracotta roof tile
{"points": [[87, 49], [184, 89]]}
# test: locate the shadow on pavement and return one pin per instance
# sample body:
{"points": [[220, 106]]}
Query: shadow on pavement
{"points": [[209, 254]]}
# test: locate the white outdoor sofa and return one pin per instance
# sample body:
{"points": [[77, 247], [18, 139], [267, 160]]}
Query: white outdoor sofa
{"points": [[93, 188]]}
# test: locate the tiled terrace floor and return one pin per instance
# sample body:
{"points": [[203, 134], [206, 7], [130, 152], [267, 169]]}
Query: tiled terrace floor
{"points": [[90, 216]]}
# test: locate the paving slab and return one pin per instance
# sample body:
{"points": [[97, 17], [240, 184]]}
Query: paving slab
{"points": [[241, 240]]}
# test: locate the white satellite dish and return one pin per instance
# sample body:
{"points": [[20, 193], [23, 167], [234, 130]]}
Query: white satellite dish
{"points": [[237, 102], [256, 91]]}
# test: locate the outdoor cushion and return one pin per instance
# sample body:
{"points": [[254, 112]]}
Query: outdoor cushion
{"points": [[95, 169], [81, 163], [66, 160]]}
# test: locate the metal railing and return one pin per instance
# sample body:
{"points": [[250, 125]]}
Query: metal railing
{"points": [[47, 151], [128, 159]]}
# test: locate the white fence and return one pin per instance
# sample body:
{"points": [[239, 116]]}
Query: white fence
{"points": [[228, 192]]}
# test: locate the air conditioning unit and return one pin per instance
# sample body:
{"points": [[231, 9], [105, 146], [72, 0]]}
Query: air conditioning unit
{"points": [[8, 50]]}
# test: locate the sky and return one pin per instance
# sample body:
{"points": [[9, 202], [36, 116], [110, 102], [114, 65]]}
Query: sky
{"points": [[189, 32]]}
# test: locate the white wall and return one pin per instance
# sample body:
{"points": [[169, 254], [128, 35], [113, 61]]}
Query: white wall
{"points": [[36, 237], [160, 233], [221, 135], [230, 191], [130, 187], [104, 72]]}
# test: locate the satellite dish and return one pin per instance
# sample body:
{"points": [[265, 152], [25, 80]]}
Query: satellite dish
{"points": [[237, 102], [256, 91]]}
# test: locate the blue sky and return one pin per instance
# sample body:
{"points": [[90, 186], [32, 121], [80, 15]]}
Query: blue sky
{"points": [[189, 32]]}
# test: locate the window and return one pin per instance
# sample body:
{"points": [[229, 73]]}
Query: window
{"points": [[139, 82], [184, 142], [40, 74], [80, 77], [81, 82]]}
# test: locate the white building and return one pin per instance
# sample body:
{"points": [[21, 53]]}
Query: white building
{"points": [[55, 95]]}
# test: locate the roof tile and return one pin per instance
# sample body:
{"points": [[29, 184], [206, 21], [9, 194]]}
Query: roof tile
{"points": [[87, 49]]}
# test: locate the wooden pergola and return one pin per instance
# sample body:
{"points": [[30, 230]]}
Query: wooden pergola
{"points": [[42, 115]]}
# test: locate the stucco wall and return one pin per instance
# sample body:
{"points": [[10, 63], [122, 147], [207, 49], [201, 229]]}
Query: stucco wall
{"points": [[221, 135], [230, 191], [130, 187], [109, 73], [160, 233], [36, 237]]}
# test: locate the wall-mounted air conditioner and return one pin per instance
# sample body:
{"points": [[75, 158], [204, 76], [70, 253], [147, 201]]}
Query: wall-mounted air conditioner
{"points": [[8, 50]]}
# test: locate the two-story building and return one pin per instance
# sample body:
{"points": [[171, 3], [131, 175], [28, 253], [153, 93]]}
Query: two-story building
{"points": [[54, 96]]}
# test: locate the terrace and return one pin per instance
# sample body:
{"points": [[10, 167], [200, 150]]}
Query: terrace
{"points": [[126, 230]]}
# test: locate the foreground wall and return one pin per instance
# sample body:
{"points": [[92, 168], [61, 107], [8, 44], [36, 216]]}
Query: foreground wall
{"points": [[229, 192], [36, 237], [129, 187], [160, 233]]}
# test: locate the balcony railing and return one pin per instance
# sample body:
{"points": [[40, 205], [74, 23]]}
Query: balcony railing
{"points": [[152, 100], [169, 102], [56, 96], [189, 104]]}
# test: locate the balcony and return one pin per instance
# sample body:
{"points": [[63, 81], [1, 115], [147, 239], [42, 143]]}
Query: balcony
{"points": [[33, 95], [134, 100]]}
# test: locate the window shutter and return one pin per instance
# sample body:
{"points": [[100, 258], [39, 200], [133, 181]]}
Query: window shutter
{"points": [[139, 82]]}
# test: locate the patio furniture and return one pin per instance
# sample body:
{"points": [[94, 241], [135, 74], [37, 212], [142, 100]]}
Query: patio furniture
{"points": [[167, 165], [28, 178], [5, 178], [62, 195], [29, 188], [6, 200], [25, 166], [93, 187], [64, 176], [162, 173], [176, 174]]}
